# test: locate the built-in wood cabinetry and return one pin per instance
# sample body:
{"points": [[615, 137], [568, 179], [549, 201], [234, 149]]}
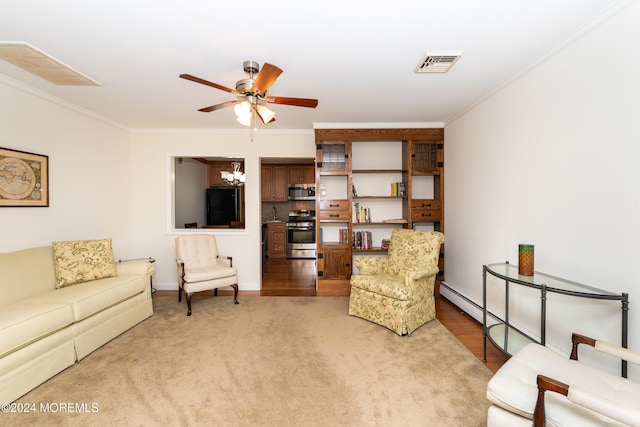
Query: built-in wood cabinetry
{"points": [[274, 183], [302, 174], [275, 179], [353, 174], [276, 240]]}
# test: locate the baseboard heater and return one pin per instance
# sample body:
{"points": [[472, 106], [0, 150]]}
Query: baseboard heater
{"points": [[465, 304]]}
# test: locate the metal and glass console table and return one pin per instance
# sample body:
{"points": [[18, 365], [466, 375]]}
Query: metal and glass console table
{"points": [[509, 339]]}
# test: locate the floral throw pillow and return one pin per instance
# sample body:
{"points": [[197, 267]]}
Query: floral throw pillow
{"points": [[82, 260]]}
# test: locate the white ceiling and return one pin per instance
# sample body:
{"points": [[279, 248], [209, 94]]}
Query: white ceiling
{"points": [[357, 58]]}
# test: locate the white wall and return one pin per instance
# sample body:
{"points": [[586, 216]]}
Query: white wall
{"points": [[151, 182], [89, 174], [553, 159], [106, 181], [190, 189]]}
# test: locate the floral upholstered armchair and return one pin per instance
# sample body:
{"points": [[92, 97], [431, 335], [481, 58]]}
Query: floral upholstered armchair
{"points": [[397, 290]]}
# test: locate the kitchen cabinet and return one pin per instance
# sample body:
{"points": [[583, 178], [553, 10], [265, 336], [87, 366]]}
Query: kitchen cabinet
{"points": [[302, 174], [276, 240], [273, 180]]}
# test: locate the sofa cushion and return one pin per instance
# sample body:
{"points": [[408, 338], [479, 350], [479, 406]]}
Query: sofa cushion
{"points": [[413, 249], [201, 274], [24, 322], [82, 260], [26, 272], [92, 297], [384, 284]]}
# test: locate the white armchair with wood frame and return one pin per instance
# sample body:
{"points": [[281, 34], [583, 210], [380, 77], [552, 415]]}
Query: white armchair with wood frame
{"points": [[540, 387], [202, 268]]}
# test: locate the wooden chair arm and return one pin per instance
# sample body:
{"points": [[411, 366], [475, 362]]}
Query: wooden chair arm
{"points": [[579, 339], [603, 347], [544, 384], [578, 396]]}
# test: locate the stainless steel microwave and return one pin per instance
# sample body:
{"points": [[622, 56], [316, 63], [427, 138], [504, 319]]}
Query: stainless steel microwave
{"points": [[302, 191]]}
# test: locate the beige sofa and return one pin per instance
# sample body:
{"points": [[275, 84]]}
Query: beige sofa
{"points": [[45, 328]]}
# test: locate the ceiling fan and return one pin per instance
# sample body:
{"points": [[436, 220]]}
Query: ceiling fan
{"points": [[251, 94]]}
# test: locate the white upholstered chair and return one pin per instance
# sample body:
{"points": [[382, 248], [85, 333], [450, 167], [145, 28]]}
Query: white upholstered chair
{"points": [[538, 386], [202, 268]]}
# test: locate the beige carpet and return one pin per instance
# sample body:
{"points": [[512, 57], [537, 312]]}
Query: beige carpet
{"points": [[270, 361]]}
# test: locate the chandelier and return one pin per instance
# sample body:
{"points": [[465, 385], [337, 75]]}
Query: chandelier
{"points": [[236, 177]]}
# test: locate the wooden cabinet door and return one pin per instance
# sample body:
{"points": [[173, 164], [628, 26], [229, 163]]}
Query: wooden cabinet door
{"points": [[265, 181], [295, 175], [302, 174], [279, 184], [309, 174], [334, 264], [427, 156], [274, 184], [334, 157]]}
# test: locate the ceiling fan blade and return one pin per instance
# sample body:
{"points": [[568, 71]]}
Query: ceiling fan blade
{"points": [[265, 78], [298, 102], [218, 106], [208, 83]]}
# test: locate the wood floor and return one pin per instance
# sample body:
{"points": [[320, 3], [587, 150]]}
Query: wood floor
{"points": [[296, 277]]}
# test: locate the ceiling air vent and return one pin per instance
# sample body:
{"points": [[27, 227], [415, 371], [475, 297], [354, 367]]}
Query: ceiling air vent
{"points": [[36, 62], [437, 62]]}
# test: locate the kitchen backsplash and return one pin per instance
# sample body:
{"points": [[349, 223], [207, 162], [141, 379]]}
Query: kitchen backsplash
{"points": [[282, 209]]}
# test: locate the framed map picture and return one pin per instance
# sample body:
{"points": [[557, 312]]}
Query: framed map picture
{"points": [[24, 178]]}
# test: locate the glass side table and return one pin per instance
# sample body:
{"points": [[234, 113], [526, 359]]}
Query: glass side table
{"points": [[509, 339]]}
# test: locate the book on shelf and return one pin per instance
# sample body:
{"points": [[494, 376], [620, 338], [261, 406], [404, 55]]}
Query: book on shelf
{"points": [[395, 221], [343, 236], [360, 213], [362, 240], [385, 244], [398, 189]]}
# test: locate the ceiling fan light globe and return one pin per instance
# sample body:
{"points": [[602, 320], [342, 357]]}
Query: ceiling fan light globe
{"points": [[244, 120], [266, 114], [242, 108]]}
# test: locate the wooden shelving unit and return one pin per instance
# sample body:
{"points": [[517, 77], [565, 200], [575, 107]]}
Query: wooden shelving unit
{"points": [[418, 162]]}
